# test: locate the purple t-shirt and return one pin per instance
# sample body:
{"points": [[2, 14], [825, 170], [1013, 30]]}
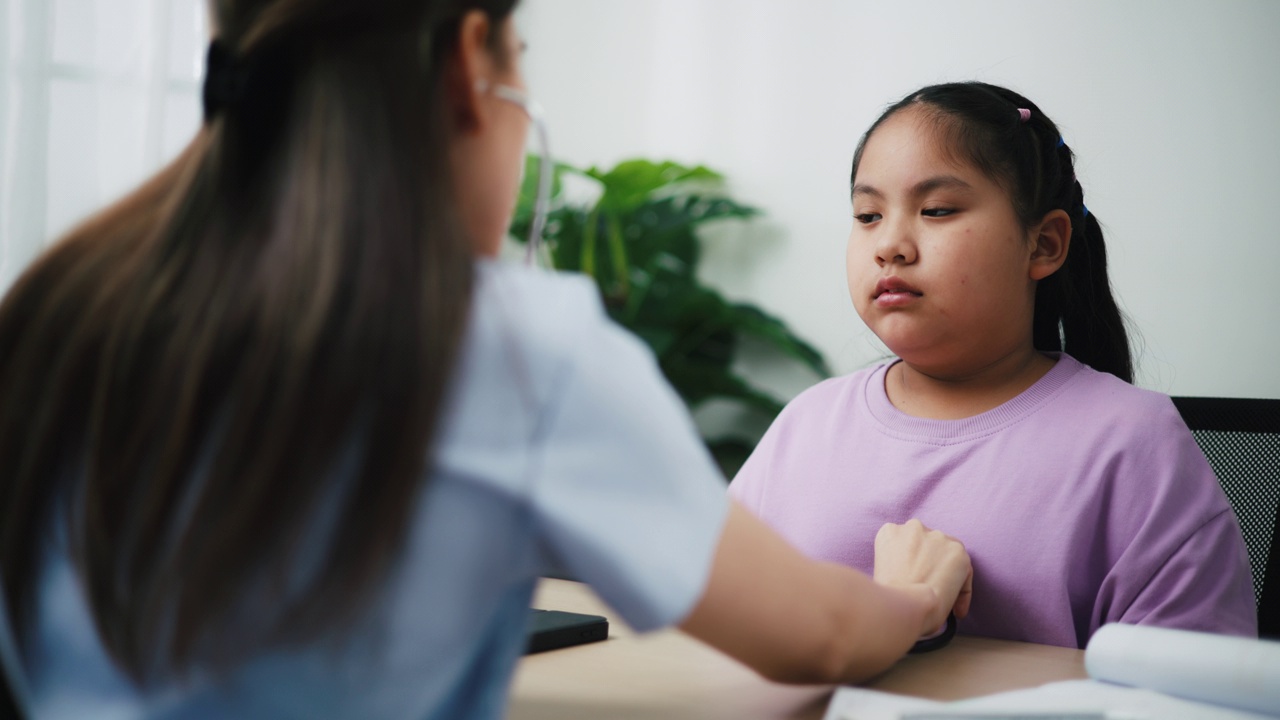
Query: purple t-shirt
{"points": [[1082, 501]]}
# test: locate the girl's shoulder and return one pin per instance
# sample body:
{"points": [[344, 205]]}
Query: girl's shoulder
{"points": [[1106, 396], [1140, 426]]}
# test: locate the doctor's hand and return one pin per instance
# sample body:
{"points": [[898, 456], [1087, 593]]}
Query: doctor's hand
{"points": [[912, 557]]}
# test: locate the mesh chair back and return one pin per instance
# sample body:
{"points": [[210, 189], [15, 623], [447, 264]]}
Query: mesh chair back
{"points": [[1241, 440]]}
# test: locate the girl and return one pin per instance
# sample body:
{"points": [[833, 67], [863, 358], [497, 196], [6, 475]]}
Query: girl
{"points": [[1007, 418], [279, 438]]}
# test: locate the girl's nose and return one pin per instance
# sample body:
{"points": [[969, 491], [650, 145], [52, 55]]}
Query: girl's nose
{"points": [[895, 245]]}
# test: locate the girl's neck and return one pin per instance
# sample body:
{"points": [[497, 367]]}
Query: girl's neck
{"points": [[925, 393]]}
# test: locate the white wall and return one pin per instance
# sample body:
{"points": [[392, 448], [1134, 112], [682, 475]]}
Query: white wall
{"points": [[1170, 105]]}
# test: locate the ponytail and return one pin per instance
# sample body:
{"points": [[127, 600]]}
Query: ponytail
{"points": [[1075, 310]]}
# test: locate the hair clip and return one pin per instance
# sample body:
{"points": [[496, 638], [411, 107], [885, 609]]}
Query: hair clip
{"points": [[1085, 208], [1061, 142], [1024, 114]]}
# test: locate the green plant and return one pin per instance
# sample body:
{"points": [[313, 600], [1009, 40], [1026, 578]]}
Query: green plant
{"points": [[639, 240]]}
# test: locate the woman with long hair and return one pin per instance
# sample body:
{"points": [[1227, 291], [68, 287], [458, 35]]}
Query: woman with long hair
{"points": [[280, 437]]}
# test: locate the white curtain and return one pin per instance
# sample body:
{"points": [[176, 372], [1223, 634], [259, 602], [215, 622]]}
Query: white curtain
{"points": [[94, 96]]}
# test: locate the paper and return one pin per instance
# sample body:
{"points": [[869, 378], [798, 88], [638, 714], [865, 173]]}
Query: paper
{"points": [[1114, 701], [853, 703], [1084, 697], [1243, 673], [1175, 674]]}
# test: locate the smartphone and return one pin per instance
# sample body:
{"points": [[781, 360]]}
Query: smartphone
{"points": [[552, 629]]}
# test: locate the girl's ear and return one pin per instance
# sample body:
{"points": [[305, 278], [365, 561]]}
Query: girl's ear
{"points": [[1052, 241], [468, 71]]}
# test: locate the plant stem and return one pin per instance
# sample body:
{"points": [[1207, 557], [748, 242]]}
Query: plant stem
{"points": [[618, 247], [588, 257]]}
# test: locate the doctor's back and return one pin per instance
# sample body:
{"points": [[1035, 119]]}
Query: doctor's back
{"points": [[280, 438], [280, 441]]}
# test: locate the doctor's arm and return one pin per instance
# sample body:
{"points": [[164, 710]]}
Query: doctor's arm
{"points": [[793, 619]]}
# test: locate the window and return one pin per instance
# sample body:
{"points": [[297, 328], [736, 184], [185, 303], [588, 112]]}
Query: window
{"points": [[94, 96]]}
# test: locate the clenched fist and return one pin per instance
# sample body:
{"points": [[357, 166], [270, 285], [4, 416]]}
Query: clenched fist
{"points": [[911, 555]]}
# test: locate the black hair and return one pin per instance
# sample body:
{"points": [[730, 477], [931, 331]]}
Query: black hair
{"points": [[1075, 311]]}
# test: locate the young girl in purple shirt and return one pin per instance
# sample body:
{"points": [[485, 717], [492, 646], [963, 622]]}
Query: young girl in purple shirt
{"points": [[1007, 419]]}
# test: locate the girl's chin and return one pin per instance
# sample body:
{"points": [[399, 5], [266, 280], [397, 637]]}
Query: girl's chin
{"points": [[908, 345]]}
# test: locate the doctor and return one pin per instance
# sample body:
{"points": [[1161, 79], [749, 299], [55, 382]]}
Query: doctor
{"points": [[279, 437]]}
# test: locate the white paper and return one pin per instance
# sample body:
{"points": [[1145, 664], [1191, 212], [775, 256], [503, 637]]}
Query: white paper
{"points": [[1115, 701], [854, 703], [1243, 673], [1175, 674]]}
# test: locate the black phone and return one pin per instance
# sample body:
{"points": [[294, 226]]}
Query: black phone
{"points": [[551, 629]]}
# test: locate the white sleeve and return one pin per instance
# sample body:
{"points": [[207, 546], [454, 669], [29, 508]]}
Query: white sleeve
{"points": [[625, 494]]}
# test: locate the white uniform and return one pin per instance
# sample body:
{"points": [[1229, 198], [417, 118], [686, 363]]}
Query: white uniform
{"points": [[562, 449]]}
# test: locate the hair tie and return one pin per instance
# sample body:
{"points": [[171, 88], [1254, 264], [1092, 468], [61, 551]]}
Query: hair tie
{"points": [[1061, 142], [255, 82], [223, 85], [1085, 208], [1024, 114]]}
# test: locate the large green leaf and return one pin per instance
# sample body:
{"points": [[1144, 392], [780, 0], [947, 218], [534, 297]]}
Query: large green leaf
{"points": [[668, 226], [631, 182]]}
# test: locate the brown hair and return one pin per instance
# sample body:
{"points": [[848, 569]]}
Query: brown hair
{"points": [[224, 387]]}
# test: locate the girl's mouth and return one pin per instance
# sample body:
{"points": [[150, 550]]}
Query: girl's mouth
{"points": [[894, 292]]}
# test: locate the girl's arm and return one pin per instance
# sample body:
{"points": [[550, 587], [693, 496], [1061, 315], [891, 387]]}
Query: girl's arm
{"points": [[793, 619]]}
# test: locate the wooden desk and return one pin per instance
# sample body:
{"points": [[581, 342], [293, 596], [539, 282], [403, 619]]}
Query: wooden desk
{"points": [[670, 675]]}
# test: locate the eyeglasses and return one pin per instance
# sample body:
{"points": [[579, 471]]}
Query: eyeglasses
{"points": [[542, 202]]}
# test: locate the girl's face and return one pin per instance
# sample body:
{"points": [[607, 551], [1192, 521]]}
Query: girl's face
{"points": [[939, 266]]}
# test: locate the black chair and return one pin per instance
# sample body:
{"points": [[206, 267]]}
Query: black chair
{"points": [[1241, 439]]}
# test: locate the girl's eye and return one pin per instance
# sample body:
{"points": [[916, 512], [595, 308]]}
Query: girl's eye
{"points": [[937, 212], [867, 218]]}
